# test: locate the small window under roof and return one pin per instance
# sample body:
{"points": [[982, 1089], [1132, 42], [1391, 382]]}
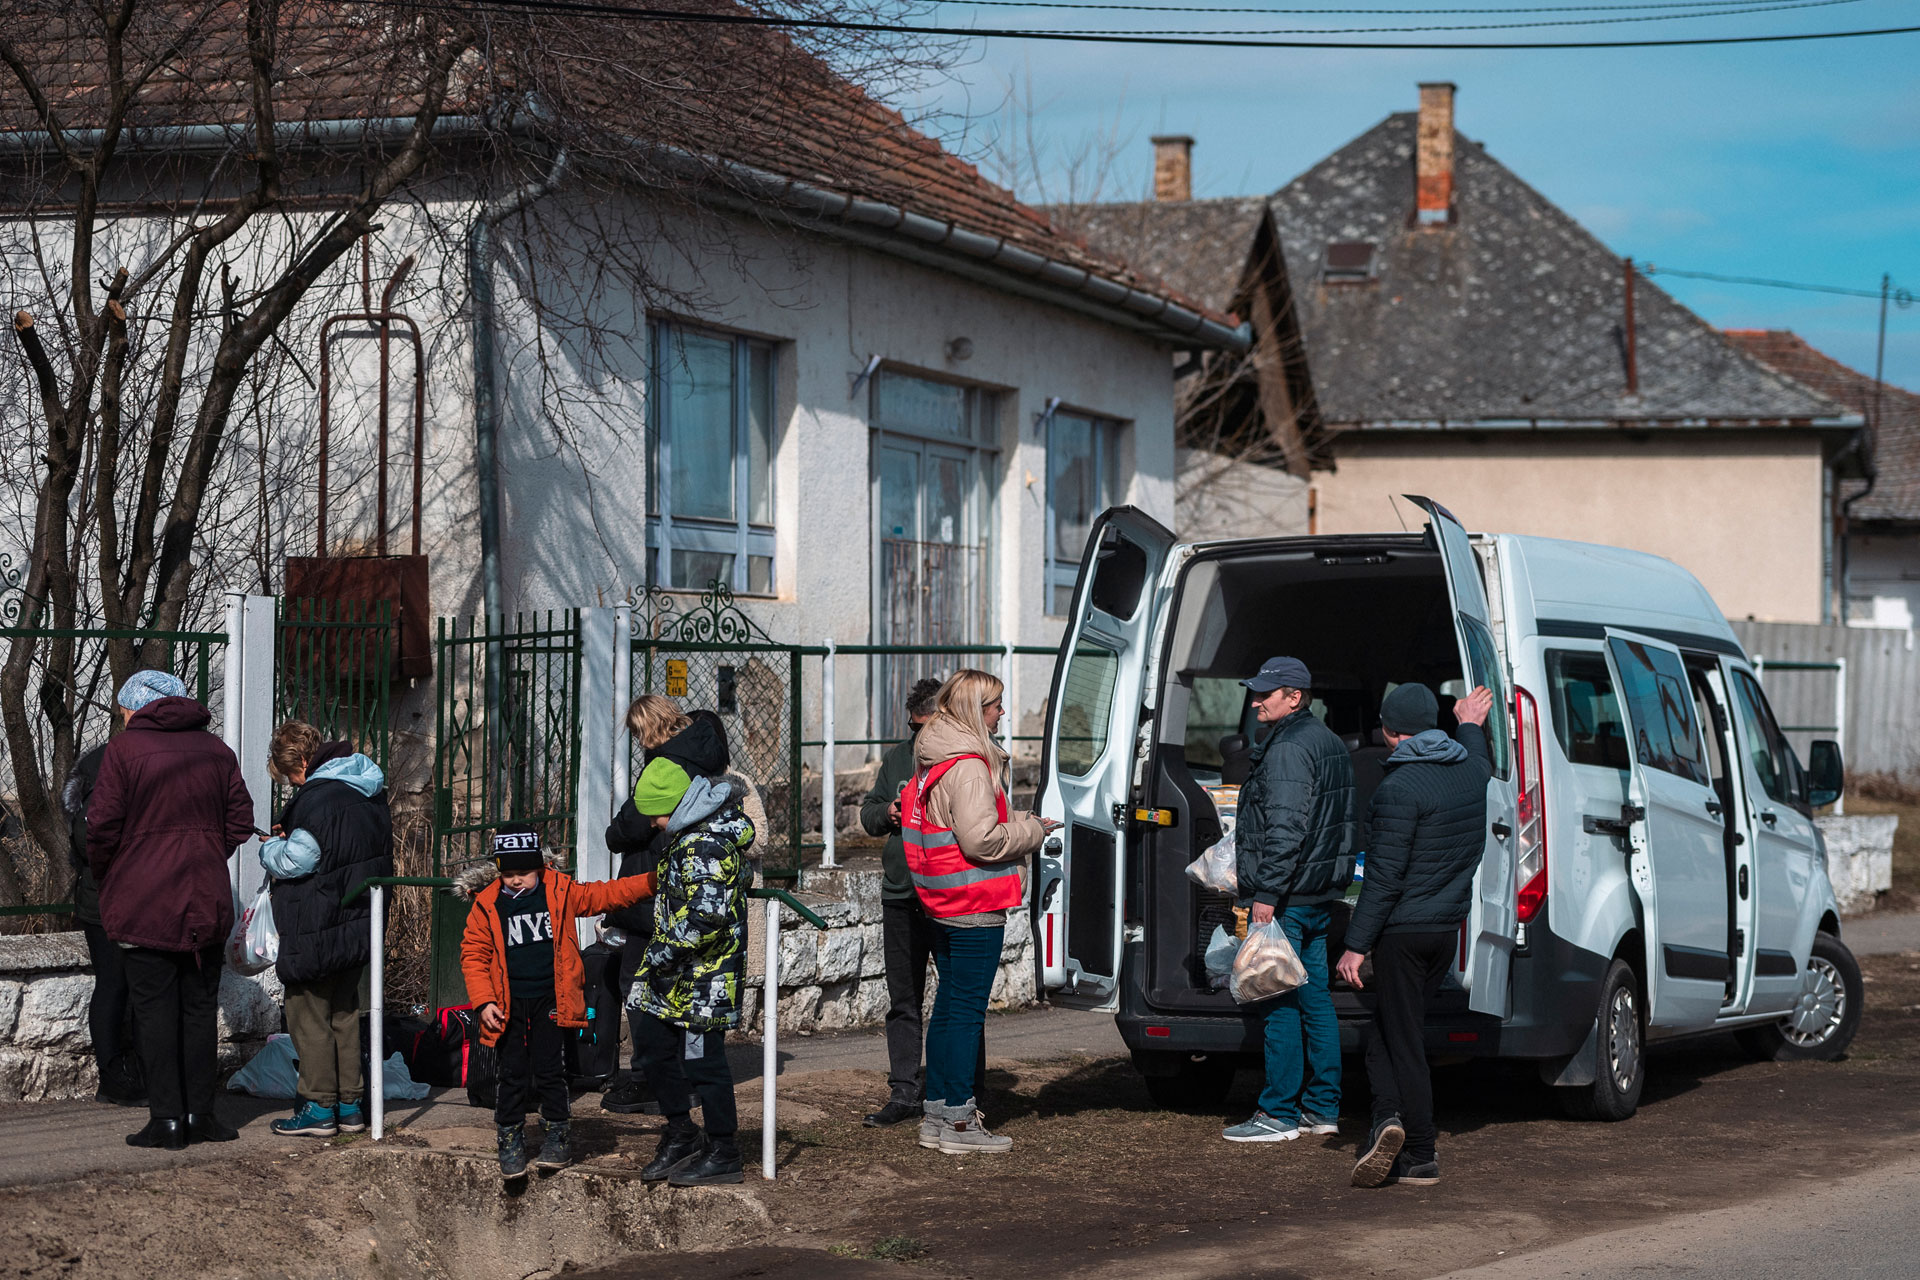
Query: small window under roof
{"points": [[1348, 262]]}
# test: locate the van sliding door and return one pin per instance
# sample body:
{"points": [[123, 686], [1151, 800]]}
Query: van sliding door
{"points": [[1093, 727], [1491, 925]]}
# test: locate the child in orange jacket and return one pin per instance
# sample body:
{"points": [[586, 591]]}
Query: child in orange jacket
{"points": [[521, 959]]}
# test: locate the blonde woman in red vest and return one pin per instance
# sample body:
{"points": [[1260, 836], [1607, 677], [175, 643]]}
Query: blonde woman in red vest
{"points": [[964, 851]]}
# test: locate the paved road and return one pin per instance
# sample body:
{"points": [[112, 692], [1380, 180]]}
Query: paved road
{"points": [[1882, 935], [1860, 1228], [54, 1141]]}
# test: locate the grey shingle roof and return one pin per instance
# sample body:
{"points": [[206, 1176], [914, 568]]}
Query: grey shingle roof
{"points": [[1199, 247], [1512, 312]]}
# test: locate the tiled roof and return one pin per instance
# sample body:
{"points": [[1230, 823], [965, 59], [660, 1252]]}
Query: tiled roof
{"points": [[1896, 434], [745, 95], [1197, 246], [1512, 312]]}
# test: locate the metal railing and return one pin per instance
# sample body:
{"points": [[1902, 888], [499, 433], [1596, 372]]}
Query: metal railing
{"points": [[377, 886]]}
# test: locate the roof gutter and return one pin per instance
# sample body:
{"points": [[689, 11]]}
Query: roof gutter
{"points": [[1843, 422], [205, 139]]}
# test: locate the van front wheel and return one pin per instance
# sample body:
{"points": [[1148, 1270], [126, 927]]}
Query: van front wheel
{"points": [[1621, 1070], [1826, 1013]]}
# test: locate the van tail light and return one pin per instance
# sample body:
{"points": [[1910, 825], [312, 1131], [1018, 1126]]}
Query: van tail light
{"points": [[1530, 841]]}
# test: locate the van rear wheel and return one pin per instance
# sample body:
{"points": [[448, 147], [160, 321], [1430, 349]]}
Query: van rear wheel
{"points": [[1621, 1070], [1193, 1086], [1826, 1013]]}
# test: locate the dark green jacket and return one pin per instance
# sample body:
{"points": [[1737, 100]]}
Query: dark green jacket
{"points": [[1295, 833], [896, 769]]}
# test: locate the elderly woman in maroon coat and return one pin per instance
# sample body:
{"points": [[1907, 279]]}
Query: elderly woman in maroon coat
{"points": [[167, 812]]}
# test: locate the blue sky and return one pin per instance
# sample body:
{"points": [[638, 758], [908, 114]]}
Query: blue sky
{"points": [[1792, 161]]}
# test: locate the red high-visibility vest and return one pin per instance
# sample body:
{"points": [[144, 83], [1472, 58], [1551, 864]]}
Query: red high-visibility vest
{"points": [[947, 883]]}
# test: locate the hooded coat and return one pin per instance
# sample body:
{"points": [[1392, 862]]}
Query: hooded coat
{"points": [[964, 801], [690, 974], [1295, 836], [1429, 828], [167, 811], [339, 832], [483, 947]]}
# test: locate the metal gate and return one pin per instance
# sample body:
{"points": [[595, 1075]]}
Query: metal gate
{"points": [[334, 669]]}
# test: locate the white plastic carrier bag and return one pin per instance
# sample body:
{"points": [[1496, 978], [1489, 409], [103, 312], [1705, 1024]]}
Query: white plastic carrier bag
{"points": [[1266, 966]]}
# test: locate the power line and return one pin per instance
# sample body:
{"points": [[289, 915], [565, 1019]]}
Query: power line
{"points": [[1901, 297], [1721, 6], [1483, 26], [580, 8]]}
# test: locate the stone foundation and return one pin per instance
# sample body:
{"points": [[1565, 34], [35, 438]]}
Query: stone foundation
{"points": [[1859, 858], [46, 1047]]}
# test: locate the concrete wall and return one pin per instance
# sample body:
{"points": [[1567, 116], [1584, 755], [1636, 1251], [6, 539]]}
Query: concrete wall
{"points": [[1222, 497], [1741, 510], [1884, 581]]}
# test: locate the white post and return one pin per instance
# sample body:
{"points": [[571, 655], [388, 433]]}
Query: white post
{"points": [[1840, 723], [769, 1037], [247, 721], [828, 798], [1008, 705], [593, 789], [622, 697], [376, 1014]]}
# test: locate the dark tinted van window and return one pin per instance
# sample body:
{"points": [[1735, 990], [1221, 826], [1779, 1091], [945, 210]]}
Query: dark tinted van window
{"points": [[1586, 714], [1666, 735]]}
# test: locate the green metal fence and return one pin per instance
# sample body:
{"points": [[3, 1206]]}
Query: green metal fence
{"points": [[335, 670], [507, 734]]}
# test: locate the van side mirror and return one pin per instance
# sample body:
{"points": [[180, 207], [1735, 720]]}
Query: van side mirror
{"points": [[1826, 776]]}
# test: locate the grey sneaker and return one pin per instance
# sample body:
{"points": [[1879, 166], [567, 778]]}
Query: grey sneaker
{"points": [[1261, 1128], [1376, 1160], [964, 1136], [931, 1127], [1318, 1125]]}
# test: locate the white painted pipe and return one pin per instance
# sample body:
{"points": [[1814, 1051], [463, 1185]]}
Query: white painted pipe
{"points": [[376, 1014], [828, 797], [769, 1038], [1840, 723]]}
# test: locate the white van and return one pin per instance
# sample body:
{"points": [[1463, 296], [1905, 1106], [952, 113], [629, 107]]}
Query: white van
{"points": [[1651, 866]]}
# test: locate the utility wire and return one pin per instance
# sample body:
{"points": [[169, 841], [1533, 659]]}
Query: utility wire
{"points": [[1901, 297], [1722, 6], [1224, 40], [1484, 26]]}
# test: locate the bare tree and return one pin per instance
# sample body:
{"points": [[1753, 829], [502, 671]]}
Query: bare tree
{"points": [[187, 179]]}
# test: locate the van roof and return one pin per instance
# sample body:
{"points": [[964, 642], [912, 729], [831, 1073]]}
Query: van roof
{"points": [[1584, 582]]}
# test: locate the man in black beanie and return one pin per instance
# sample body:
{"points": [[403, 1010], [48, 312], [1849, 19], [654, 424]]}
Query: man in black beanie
{"points": [[1429, 827]]}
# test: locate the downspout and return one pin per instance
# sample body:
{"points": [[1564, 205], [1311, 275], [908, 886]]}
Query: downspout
{"points": [[486, 417], [1863, 449]]}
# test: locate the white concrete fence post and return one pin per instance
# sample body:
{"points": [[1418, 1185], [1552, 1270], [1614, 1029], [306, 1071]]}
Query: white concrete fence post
{"points": [[247, 722], [377, 1013], [1840, 723], [769, 1038], [828, 799]]}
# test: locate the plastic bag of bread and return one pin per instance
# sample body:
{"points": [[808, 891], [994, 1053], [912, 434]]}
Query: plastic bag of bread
{"points": [[1266, 965], [1217, 868]]}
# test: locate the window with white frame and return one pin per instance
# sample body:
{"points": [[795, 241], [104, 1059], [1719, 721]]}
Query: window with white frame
{"points": [[710, 439], [1083, 479]]}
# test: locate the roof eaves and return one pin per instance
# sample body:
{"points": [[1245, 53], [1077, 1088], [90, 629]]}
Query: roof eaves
{"points": [[1842, 422]]}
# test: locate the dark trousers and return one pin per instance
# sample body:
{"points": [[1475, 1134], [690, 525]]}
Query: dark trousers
{"points": [[908, 934], [1407, 969], [533, 1064], [108, 1012], [681, 1065], [176, 1022], [629, 968]]}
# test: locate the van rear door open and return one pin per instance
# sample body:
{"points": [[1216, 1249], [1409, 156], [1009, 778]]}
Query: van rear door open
{"points": [[1092, 746], [1675, 834], [1491, 926]]}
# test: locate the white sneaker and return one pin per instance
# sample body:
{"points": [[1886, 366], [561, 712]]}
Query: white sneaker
{"points": [[1261, 1128]]}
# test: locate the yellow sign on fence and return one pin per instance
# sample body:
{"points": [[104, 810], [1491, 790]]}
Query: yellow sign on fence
{"points": [[676, 677]]}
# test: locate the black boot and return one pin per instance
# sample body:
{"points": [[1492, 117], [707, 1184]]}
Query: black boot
{"points": [[556, 1150], [630, 1096], [681, 1141], [894, 1113], [721, 1163], [122, 1083], [168, 1135], [208, 1128], [513, 1151]]}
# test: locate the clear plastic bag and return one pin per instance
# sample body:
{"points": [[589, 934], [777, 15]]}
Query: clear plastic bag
{"points": [[1266, 965], [1222, 947], [1217, 868], [254, 944]]}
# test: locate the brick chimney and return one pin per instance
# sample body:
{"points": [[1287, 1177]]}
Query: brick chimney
{"points": [[1433, 155], [1173, 167]]}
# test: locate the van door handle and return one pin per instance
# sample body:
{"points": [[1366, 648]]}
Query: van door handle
{"points": [[1769, 817], [1713, 807], [1502, 830], [1620, 826]]}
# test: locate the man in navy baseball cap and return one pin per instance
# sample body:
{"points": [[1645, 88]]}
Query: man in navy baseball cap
{"points": [[1294, 844]]}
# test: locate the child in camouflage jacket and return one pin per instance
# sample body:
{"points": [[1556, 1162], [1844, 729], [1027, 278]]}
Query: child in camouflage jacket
{"points": [[687, 993]]}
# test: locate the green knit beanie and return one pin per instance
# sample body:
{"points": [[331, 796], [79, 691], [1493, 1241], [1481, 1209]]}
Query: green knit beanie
{"points": [[661, 785]]}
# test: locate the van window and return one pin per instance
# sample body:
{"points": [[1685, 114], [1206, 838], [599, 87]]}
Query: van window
{"points": [[1586, 715], [1086, 707], [1760, 738], [1217, 708], [1666, 735], [1483, 661]]}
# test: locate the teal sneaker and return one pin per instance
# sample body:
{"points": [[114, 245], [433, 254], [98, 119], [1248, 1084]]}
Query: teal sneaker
{"points": [[1262, 1128], [309, 1120], [350, 1117], [1309, 1123]]}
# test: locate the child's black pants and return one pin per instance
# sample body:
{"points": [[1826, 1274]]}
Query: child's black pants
{"points": [[533, 1063], [680, 1064]]}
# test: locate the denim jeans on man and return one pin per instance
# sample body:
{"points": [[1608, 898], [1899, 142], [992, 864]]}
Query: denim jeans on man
{"points": [[966, 960], [1303, 1034]]}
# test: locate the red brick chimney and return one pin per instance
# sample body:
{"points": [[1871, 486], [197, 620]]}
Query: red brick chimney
{"points": [[1173, 167], [1433, 155]]}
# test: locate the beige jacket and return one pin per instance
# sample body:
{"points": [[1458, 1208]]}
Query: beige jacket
{"points": [[964, 799]]}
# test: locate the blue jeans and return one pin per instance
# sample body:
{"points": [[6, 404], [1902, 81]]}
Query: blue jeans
{"points": [[966, 960], [1303, 1035]]}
